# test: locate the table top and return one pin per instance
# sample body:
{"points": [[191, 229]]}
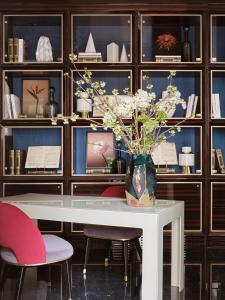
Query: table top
{"points": [[89, 203]]}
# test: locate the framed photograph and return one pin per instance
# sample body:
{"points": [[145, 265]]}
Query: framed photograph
{"points": [[100, 149], [35, 96]]}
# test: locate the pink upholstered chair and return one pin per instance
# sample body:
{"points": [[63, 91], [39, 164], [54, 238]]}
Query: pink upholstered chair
{"points": [[21, 244], [113, 233]]}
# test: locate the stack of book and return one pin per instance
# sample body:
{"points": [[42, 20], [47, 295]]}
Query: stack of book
{"points": [[215, 106], [89, 57], [16, 49], [17, 161], [191, 106], [104, 170], [12, 106]]}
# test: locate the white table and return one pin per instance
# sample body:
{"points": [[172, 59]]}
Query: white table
{"points": [[115, 212]]}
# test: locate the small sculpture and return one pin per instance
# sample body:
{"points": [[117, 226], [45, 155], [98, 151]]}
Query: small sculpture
{"points": [[44, 50], [123, 57], [90, 45], [112, 52]]}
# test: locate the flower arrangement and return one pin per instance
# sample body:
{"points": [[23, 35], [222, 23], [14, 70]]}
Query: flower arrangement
{"points": [[166, 41], [147, 127]]}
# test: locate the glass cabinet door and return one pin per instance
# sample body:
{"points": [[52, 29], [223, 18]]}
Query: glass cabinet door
{"points": [[171, 38], [102, 38]]}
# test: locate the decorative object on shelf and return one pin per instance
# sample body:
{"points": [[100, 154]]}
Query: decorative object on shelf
{"points": [[10, 50], [16, 50], [35, 97], [112, 52], [119, 163], [11, 161], [215, 106], [90, 54], [169, 102], [187, 53], [213, 161], [165, 154], [20, 158], [90, 47], [166, 44], [100, 150], [84, 105], [186, 160], [123, 56], [191, 106], [220, 160], [51, 108], [44, 50]]}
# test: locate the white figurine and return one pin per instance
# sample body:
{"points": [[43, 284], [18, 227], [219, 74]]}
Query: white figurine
{"points": [[123, 57], [44, 49], [90, 45], [112, 52]]}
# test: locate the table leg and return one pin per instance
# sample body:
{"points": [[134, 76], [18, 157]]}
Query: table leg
{"points": [[152, 263], [177, 266]]}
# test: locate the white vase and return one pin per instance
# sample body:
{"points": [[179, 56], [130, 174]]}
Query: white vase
{"points": [[44, 50]]}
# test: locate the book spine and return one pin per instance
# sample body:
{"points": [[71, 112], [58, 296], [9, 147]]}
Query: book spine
{"points": [[213, 159], [17, 162], [10, 50], [98, 171], [217, 103], [11, 161], [220, 160], [190, 106], [213, 106], [16, 49], [20, 50], [194, 107]]}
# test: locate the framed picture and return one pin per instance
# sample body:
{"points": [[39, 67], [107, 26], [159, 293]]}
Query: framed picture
{"points": [[100, 149], [35, 96]]}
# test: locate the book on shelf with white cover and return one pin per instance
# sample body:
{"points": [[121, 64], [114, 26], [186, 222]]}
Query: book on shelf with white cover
{"points": [[16, 106], [194, 106], [7, 107], [20, 50], [190, 104], [215, 106]]}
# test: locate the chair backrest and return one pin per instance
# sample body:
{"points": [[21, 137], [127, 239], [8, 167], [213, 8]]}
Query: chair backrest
{"points": [[21, 235], [117, 191]]}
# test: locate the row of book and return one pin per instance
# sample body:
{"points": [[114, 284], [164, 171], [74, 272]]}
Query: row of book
{"points": [[16, 161], [191, 106], [12, 106], [215, 106], [16, 50], [217, 161]]}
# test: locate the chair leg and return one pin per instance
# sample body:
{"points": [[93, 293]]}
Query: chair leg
{"points": [[87, 252], [138, 248], [69, 285], [125, 251], [20, 283], [108, 253], [2, 277]]}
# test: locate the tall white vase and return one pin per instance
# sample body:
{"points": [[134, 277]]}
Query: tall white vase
{"points": [[123, 57], [112, 52]]}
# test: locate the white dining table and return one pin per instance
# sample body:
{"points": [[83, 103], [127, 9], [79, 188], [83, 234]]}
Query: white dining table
{"points": [[116, 212]]}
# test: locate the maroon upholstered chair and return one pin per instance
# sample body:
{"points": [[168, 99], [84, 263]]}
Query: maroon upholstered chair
{"points": [[113, 233], [22, 245]]}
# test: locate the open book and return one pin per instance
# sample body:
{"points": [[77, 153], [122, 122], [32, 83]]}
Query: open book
{"points": [[43, 157]]}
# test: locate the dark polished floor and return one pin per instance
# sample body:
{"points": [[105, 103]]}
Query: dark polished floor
{"points": [[204, 279]]}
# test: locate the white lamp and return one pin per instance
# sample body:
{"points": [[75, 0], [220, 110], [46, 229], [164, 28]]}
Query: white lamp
{"points": [[186, 160], [84, 105]]}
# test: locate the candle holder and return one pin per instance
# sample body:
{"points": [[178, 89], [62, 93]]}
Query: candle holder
{"points": [[84, 105]]}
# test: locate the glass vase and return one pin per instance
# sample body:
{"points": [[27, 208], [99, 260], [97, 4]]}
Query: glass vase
{"points": [[141, 181]]}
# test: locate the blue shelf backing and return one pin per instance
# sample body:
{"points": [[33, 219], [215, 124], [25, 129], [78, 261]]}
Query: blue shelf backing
{"points": [[218, 44], [187, 83], [218, 86], [105, 30]]}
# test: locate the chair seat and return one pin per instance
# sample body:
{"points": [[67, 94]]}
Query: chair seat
{"points": [[57, 249], [112, 232]]}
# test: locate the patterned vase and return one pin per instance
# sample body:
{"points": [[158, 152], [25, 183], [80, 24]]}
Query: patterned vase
{"points": [[141, 181]]}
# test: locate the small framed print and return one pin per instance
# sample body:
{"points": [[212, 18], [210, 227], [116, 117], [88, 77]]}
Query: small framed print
{"points": [[100, 149], [35, 96]]}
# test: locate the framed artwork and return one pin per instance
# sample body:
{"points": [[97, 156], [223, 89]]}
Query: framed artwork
{"points": [[100, 149], [35, 96]]}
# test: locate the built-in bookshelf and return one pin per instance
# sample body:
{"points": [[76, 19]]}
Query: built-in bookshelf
{"points": [[128, 44]]}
